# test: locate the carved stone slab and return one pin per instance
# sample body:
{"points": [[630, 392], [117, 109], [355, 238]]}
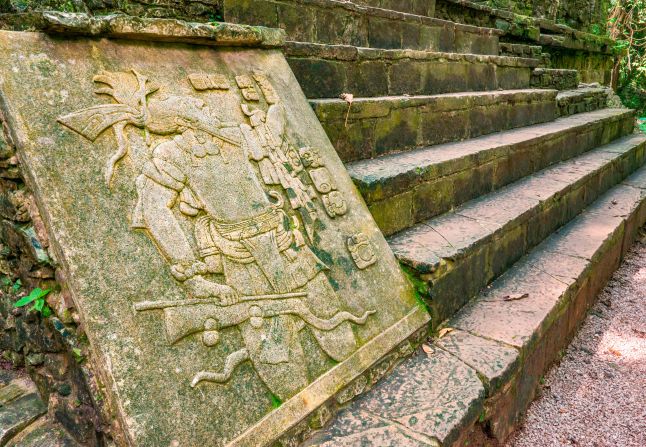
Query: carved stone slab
{"points": [[228, 275]]}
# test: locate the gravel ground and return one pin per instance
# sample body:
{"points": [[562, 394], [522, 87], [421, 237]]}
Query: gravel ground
{"points": [[596, 395]]}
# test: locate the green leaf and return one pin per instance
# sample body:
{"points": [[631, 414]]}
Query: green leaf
{"points": [[39, 304], [24, 301], [17, 285], [77, 355], [33, 296], [275, 401], [47, 312]]}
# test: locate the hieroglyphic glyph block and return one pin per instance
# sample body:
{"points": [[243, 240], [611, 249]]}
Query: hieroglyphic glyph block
{"points": [[217, 251]]}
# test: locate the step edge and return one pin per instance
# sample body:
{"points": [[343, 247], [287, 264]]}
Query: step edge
{"points": [[395, 158], [395, 99], [547, 328], [296, 49], [461, 252], [563, 308], [400, 16]]}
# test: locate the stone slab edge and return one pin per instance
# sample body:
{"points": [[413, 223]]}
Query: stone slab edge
{"points": [[351, 53], [501, 385], [268, 430], [121, 26]]}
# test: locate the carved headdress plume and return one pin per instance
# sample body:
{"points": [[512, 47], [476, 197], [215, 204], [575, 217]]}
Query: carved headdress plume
{"points": [[130, 94]]}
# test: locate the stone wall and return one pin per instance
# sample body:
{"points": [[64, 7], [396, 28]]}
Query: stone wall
{"points": [[592, 67], [53, 349], [198, 10], [579, 14], [586, 15], [420, 7]]}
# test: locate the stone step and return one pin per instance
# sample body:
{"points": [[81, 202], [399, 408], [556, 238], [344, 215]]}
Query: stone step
{"points": [[347, 23], [515, 27], [522, 27], [20, 405], [483, 373], [371, 127], [409, 187], [43, 433], [573, 40], [559, 79], [419, 7], [590, 54], [520, 50], [581, 100], [327, 71], [461, 251]]}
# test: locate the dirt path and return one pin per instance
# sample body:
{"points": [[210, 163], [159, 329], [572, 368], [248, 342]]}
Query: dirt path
{"points": [[596, 396]]}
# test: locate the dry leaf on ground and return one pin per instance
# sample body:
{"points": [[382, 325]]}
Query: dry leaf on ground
{"points": [[427, 349], [444, 331], [515, 297], [614, 352]]}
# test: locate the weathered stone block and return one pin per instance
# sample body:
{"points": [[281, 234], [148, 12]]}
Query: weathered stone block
{"points": [[493, 361], [18, 414], [512, 78], [433, 198], [320, 78], [370, 78], [261, 12], [296, 21], [427, 401], [228, 275], [330, 26], [395, 213]]}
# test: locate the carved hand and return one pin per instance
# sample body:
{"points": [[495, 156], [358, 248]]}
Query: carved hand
{"points": [[228, 296], [203, 288]]}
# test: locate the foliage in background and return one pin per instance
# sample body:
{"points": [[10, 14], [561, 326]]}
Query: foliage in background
{"points": [[627, 26]]}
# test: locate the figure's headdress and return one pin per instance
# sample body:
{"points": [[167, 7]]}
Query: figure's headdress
{"points": [[130, 94]]}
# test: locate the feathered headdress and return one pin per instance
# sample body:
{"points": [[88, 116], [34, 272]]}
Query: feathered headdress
{"points": [[130, 94]]}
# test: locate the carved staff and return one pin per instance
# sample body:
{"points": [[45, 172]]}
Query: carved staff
{"points": [[152, 305]]}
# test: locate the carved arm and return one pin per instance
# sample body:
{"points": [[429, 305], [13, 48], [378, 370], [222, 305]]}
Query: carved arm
{"points": [[170, 239]]}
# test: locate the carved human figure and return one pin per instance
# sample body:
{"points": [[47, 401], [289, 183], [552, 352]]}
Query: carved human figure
{"points": [[203, 176]]}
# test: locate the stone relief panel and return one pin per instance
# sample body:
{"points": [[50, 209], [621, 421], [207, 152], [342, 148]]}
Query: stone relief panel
{"points": [[233, 207], [216, 249]]}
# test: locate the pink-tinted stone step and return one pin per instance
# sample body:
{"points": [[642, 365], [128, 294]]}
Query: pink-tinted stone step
{"points": [[406, 188], [483, 372], [459, 252], [426, 401], [554, 285], [494, 362]]}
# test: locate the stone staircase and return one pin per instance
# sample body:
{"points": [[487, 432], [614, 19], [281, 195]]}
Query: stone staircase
{"points": [[507, 193]]}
